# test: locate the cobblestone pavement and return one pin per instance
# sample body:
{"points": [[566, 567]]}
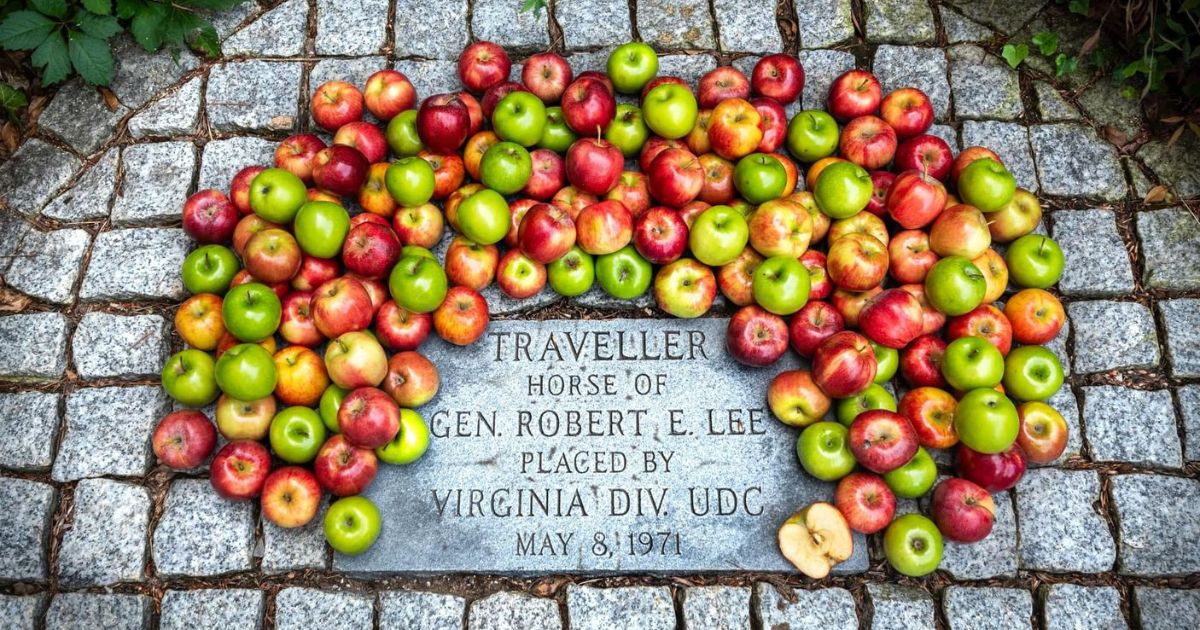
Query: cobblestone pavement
{"points": [[94, 535]]}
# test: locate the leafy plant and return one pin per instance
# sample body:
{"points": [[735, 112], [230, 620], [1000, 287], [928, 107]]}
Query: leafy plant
{"points": [[536, 6], [76, 36], [11, 100], [1014, 54]]}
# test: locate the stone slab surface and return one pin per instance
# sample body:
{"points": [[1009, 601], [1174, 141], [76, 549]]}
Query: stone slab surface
{"points": [[716, 607], [174, 114], [1159, 531], [305, 608], [508, 610], [222, 159], [923, 68], [1181, 319], [1060, 505], [272, 34], [295, 548], [200, 533], [1166, 608], [823, 23], [47, 264], [108, 431], [987, 608], [1070, 606], [994, 556], [440, 34], [136, 264], [643, 607], [31, 175], [1073, 161], [897, 607], [1189, 408], [107, 541], [593, 22], [415, 610], [22, 612], [673, 24], [253, 95], [830, 608], [1171, 247], [157, 177], [1113, 336], [1094, 257], [29, 422], [33, 346], [120, 346], [228, 608], [89, 197], [24, 531], [1132, 425], [87, 611]]}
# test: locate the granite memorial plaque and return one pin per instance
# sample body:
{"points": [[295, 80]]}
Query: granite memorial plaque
{"points": [[594, 447]]}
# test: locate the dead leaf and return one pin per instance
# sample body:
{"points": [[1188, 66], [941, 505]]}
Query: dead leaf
{"points": [[1156, 194], [1171, 120], [1090, 44], [13, 302], [1115, 136], [10, 136], [110, 99], [1175, 136]]}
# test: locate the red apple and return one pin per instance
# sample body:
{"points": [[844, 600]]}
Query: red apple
{"points": [[364, 136], [866, 502], [692, 210], [517, 209], [844, 364], [892, 318], [368, 417], [881, 181], [297, 154], [994, 472], [882, 440], [370, 250], [520, 276], [448, 172], [443, 123], [820, 286], [296, 324], [343, 469], [340, 306], [546, 233], [930, 411], [604, 228], [934, 319], [335, 103], [736, 279], [855, 93], [962, 511], [573, 200], [985, 321], [272, 256], [926, 153], [734, 130], [1036, 316], [291, 497], [1043, 433], [239, 188], [209, 217], [970, 154], [184, 439], [482, 65], [675, 177], [908, 111], [400, 329], [718, 179], [547, 75], [915, 199], [474, 112], [697, 139], [850, 303], [419, 225], [653, 147], [548, 177], [377, 291], [756, 337], [494, 94], [588, 106], [921, 362], [594, 165], [463, 316], [239, 469], [633, 191], [857, 262], [779, 76], [722, 84], [340, 169], [470, 264], [387, 93], [813, 324], [660, 235], [909, 256], [374, 196], [412, 380], [868, 142], [773, 122]]}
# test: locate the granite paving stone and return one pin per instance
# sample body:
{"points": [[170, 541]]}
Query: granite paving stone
{"points": [[1052, 107], [1007, 16], [1060, 506], [673, 24], [118, 346], [831, 608], [106, 543], [1159, 531], [416, 610], [1171, 249], [22, 612], [79, 116], [960, 28], [1113, 336], [1177, 165], [587, 23], [687, 67], [910, 66], [1166, 608], [983, 85], [821, 67], [431, 77], [823, 23], [503, 21], [1072, 161], [174, 114], [1151, 440], [748, 26], [1189, 408], [139, 75], [351, 28], [33, 173], [136, 264], [290, 549], [201, 534], [222, 159], [440, 34], [582, 61], [278, 32], [1010, 141], [1107, 106], [232, 608], [994, 556], [227, 21], [1181, 320], [899, 22], [88, 611], [89, 197], [716, 608], [1064, 402], [157, 177], [596, 297], [985, 608], [29, 420], [47, 264], [33, 346], [1071, 607], [355, 71], [898, 607], [13, 229], [305, 608], [253, 95], [591, 608], [108, 431], [1137, 178], [947, 133], [509, 610], [25, 529], [1094, 256]]}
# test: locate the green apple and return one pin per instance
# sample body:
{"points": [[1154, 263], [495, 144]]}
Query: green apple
{"points": [[955, 286], [296, 435], [321, 227], [812, 134], [718, 235], [417, 250], [246, 372], [670, 110], [276, 195], [418, 283], [410, 181], [410, 442], [1034, 261], [483, 217], [402, 134], [986, 184], [781, 284], [913, 545], [624, 274], [506, 167], [352, 525], [760, 178], [627, 132], [972, 363], [189, 377], [986, 421], [887, 361], [210, 269], [824, 452], [631, 66], [1032, 373], [843, 189], [556, 135], [915, 478], [572, 274], [252, 313], [873, 397], [331, 401], [519, 117]]}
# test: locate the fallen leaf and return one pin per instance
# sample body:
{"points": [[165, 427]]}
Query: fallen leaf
{"points": [[13, 302], [110, 99], [1090, 44], [1156, 194], [1115, 136], [1175, 136]]}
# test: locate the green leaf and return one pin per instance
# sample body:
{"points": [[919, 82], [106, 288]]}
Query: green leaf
{"points": [[91, 57], [1079, 7], [99, 7], [536, 6], [53, 8], [1047, 42], [1064, 64], [147, 27], [1014, 54], [25, 30], [102, 26], [52, 58], [11, 99], [212, 5], [206, 41], [128, 8]]}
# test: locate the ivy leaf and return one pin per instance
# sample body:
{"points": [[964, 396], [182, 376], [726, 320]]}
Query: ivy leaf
{"points": [[102, 26], [91, 57], [53, 8], [1047, 42], [207, 41], [99, 7], [52, 58], [1064, 64], [11, 99], [1014, 54], [25, 30], [146, 27], [536, 6]]}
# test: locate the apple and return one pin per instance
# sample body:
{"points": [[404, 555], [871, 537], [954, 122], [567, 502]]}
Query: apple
{"points": [[374, 196], [520, 117], [930, 411], [934, 319], [736, 279], [995, 274], [402, 136], [633, 192], [913, 545], [492, 98], [245, 230], [572, 200], [861, 223], [624, 274], [199, 322], [314, 272], [336, 103], [291, 497], [239, 188], [410, 181], [718, 186], [892, 318], [573, 273], [594, 165], [239, 469], [779, 76], [850, 303], [419, 225], [843, 189], [548, 174], [343, 469], [781, 285], [843, 364], [960, 230], [670, 110], [854, 93], [811, 135], [547, 76], [995, 472], [873, 397], [1034, 261], [972, 362], [986, 421], [546, 233], [184, 439], [969, 155], [483, 217], [660, 80], [1018, 217], [588, 107], [1043, 433], [909, 256], [443, 123], [331, 402], [300, 376], [908, 111], [881, 440], [448, 172], [368, 417], [675, 177], [377, 291], [760, 178], [685, 288], [365, 137], [857, 262], [352, 525], [297, 434], [985, 321], [926, 154], [986, 184], [340, 306], [814, 261], [462, 317], [963, 511], [921, 361], [412, 380], [866, 502], [244, 419], [773, 123], [246, 372], [881, 182], [915, 478], [631, 66], [655, 145], [694, 209], [823, 451], [276, 195], [1032, 373], [272, 256], [506, 168], [604, 227], [209, 217], [387, 93], [887, 363], [520, 276], [722, 84], [780, 228], [718, 235], [355, 359], [756, 337], [340, 169], [697, 139], [371, 250], [557, 136], [320, 228], [868, 141], [734, 130], [252, 312], [795, 399], [517, 209], [811, 325], [473, 152], [816, 539], [400, 329], [915, 200], [482, 65], [470, 264], [1036, 316], [955, 286]]}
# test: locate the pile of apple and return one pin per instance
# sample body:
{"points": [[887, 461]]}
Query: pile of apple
{"points": [[330, 252]]}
